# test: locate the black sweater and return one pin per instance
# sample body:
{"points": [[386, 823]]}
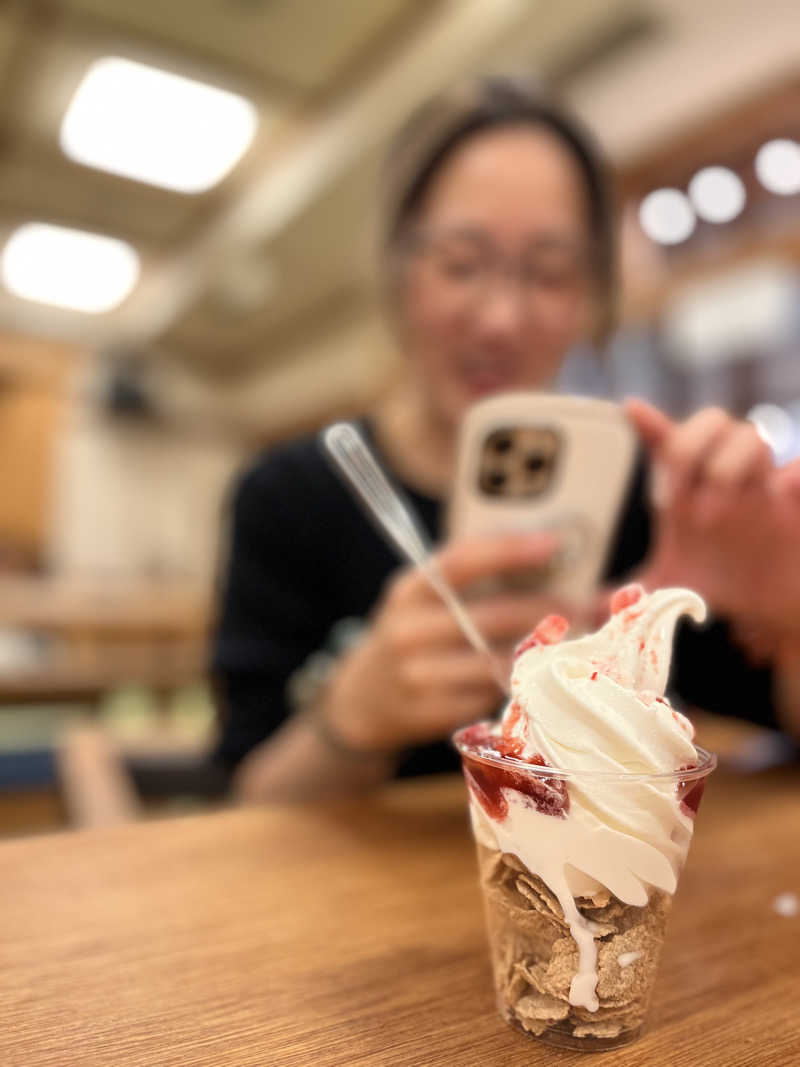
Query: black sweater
{"points": [[302, 557]]}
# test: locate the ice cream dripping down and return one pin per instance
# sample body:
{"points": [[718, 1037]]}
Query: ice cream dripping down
{"points": [[614, 812]]}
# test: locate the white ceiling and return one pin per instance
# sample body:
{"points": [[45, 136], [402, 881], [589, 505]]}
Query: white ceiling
{"points": [[293, 45]]}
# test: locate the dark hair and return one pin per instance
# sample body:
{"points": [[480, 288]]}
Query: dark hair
{"points": [[450, 119]]}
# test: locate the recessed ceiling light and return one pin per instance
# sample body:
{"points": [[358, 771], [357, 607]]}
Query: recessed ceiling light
{"points": [[717, 194], [778, 166], [156, 127], [666, 216], [68, 268]]}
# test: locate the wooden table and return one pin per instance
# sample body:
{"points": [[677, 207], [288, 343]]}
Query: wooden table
{"points": [[307, 938]]}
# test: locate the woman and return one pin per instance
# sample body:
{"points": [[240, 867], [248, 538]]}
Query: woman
{"points": [[498, 256]]}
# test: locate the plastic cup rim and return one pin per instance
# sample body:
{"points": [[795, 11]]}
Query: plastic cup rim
{"points": [[707, 763]]}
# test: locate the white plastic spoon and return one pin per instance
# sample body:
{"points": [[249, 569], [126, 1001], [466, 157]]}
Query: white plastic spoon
{"points": [[401, 525]]}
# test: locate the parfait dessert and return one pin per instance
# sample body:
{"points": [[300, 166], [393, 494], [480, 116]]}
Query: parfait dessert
{"points": [[582, 799]]}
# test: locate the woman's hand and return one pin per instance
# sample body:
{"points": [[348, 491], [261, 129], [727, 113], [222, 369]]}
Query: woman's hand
{"points": [[414, 678], [728, 521]]}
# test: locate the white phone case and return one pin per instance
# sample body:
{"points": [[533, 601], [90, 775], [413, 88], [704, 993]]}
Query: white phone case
{"points": [[567, 469]]}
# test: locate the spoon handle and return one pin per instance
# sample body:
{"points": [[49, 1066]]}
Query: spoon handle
{"points": [[401, 525]]}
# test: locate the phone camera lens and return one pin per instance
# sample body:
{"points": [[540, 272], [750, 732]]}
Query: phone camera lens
{"points": [[493, 481], [500, 443], [534, 463]]}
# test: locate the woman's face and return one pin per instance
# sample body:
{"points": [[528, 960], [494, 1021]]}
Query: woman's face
{"points": [[496, 283]]}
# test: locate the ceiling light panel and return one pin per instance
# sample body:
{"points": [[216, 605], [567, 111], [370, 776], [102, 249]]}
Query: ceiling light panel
{"points": [[156, 127], [68, 268]]}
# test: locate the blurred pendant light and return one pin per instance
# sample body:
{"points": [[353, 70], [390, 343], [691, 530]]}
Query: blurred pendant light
{"points": [[717, 194], [666, 216], [778, 166]]}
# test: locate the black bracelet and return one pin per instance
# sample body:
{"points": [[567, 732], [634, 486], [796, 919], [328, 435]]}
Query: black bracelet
{"points": [[306, 690], [333, 740]]}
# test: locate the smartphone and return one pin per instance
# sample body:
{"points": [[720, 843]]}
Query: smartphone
{"points": [[539, 461]]}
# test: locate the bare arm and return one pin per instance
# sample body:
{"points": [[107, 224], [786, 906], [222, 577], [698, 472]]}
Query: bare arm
{"points": [[297, 764]]}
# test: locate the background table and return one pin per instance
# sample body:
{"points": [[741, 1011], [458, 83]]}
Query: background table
{"points": [[353, 935], [95, 636]]}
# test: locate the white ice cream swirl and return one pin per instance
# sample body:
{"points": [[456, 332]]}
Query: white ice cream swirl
{"points": [[595, 706]]}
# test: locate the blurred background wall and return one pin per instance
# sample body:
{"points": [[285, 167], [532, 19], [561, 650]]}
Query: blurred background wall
{"points": [[240, 308]]}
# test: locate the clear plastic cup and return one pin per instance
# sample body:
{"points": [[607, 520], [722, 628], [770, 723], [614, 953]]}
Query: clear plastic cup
{"points": [[532, 937]]}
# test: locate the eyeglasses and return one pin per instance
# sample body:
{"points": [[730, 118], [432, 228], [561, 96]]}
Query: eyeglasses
{"points": [[467, 264]]}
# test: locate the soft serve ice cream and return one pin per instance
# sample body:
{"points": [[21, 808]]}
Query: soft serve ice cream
{"points": [[593, 709]]}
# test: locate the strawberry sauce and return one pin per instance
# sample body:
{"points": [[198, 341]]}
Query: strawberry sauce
{"points": [[691, 793], [488, 780], [624, 597], [549, 632]]}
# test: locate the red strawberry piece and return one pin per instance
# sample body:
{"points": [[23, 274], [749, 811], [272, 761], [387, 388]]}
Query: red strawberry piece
{"points": [[488, 780], [477, 736], [691, 793], [551, 629], [509, 746], [549, 632], [525, 644], [512, 718], [512, 745], [624, 597]]}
